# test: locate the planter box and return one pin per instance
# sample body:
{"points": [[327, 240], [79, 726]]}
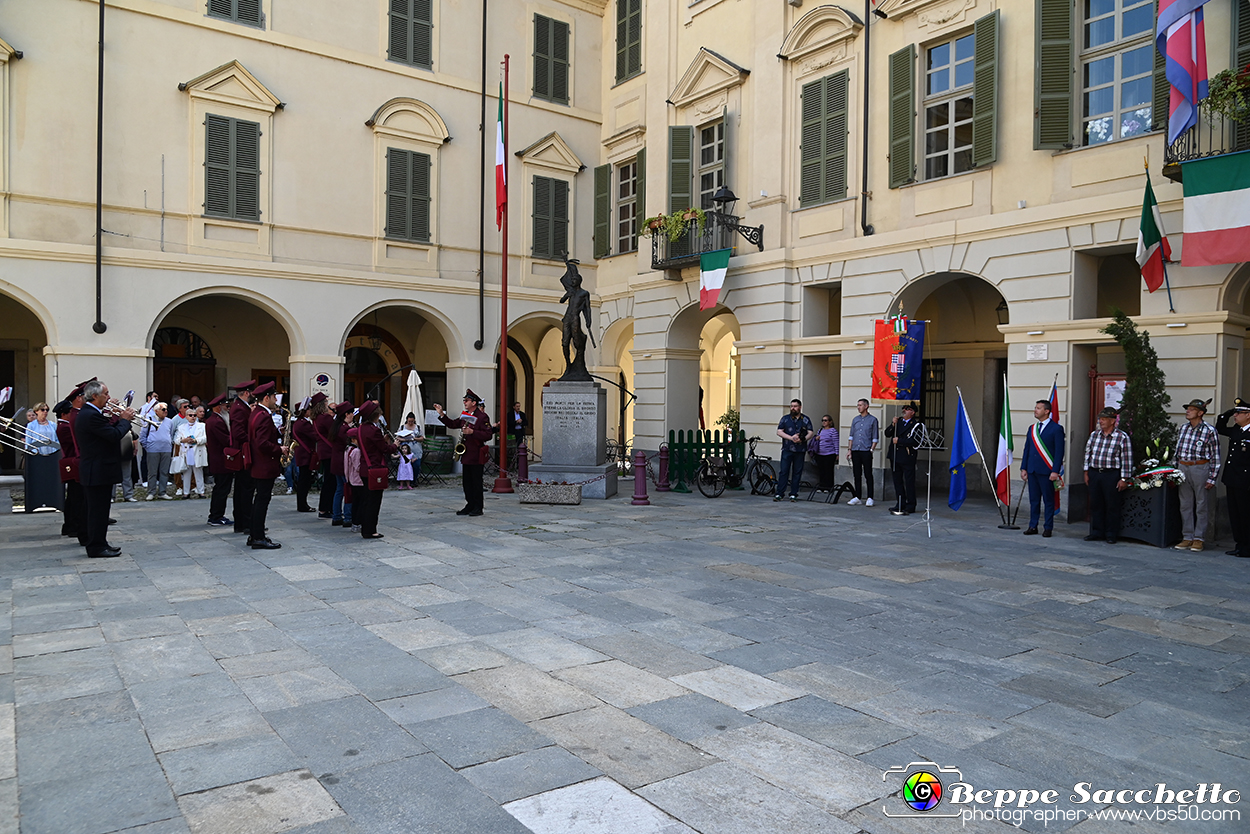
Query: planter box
{"points": [[1152, 515], [549, 493]]}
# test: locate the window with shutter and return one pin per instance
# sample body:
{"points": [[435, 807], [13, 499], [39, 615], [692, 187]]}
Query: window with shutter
{"points": [[239, 11], [411, 35], [628, 39], [1117, 69], [1241, 59], [603, 211], [407, 195], [1052, 90], [627, 206], [231, 168], [948, 107], [711, 161], [551, 60], [985, 91], [902, 116], [550, 218], [680, 167], [822, 152]]}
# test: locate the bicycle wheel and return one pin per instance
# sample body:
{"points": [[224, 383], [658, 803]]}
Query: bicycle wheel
{"points": [[762, 477], [710, 479]]}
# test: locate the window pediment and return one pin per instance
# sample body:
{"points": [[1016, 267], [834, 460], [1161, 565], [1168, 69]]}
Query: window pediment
{"points": [[552, 152], [232, 84], [7, 52], [928, 12], [821, 27], [707, 75], [409, 118]]}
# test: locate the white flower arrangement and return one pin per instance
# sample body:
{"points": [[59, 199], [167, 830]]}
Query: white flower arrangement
{"points": [[1153, 473]]}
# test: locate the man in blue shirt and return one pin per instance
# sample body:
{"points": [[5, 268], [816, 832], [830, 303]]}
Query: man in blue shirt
{"points": [[794, 430]]}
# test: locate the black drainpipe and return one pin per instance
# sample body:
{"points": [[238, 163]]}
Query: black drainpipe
{"points": [[99, 326], [481, 207], [863, 189]]}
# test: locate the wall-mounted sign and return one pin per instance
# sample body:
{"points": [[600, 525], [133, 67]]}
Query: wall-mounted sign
{"points": [[1036, 353], [321, 383]]}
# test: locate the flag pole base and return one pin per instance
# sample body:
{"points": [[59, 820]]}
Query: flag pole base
{"points": [[502, 485]]}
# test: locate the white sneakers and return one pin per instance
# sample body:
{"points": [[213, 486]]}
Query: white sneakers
{"points": [[151, 496], [868, 502], [852, 502]]}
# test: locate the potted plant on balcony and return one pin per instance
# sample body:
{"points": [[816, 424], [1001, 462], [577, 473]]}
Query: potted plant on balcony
{"points": [[673, 225], [651, 225], [1228, 95], [1152, 510]]}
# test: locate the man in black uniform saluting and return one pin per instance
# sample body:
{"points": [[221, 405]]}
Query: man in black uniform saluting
{"points": [[100, 463], [1236, 475]]}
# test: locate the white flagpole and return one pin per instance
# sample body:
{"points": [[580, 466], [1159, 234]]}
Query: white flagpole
{"points": [[980, 453]]}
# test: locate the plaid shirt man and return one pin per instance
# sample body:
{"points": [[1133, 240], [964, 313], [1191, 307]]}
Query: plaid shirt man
{"points": [[1200, 443], [1109, 451]]}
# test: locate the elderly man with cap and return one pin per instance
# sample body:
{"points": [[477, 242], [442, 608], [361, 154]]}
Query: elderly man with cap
{"points": [[1108, 467], [240, 417], [906, 435], [1198, 458], [305, 453], [1040, 465], [217, 432], [98, 437], [1236, 478], [477, 432], [265, 446]]}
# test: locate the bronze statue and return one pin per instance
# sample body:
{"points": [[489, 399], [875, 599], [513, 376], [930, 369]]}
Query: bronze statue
{"points": [[578, 309]]}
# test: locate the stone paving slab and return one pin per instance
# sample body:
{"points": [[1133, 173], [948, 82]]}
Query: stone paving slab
{"points": [[663, 668]]}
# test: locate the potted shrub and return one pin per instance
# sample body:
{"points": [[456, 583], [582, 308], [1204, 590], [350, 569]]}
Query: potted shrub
{"points": [[1229, 95]]}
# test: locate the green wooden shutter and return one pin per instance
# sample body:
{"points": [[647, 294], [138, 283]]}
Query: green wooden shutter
{"points": [[542, 57], [542, 218], [1241, 58], [680, 167], [246, 170], [628, 38], [423, 33], [559, 219], [399, 35], [1052, 90], [217, 174], [559, 62], [248, 11], [985, 91], [811, 143], [642, 186], [220, 8], [902, 116], [603, 211], [837, 89], [398, 195], [1160, 89], [419, 228]]}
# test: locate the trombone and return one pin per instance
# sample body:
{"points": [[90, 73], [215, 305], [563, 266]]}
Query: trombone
{"points": [[13, 436], [114, 408]]}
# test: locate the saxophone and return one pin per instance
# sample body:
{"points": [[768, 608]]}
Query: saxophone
{"points": [[288, 445]]}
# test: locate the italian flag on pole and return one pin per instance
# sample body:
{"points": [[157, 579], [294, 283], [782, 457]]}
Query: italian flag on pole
{"points": [[1152, 245], [1006, 448], [501, 169], [712, 269], [1217, 210]]}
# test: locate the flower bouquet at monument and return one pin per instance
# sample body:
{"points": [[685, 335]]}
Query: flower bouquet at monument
{"points": [[1152, 472]]}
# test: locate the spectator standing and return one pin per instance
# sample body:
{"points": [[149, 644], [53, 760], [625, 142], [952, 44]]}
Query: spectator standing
{"points": [[865, 431], [158, 444], [1108, 460], [192, 444], [412, 437], [906, 434], [145, 412], [353, 482], [1236, 476], [794, 430], [176, 421], [129, 448], [824, 449], [1198, 458], [42, 465]]}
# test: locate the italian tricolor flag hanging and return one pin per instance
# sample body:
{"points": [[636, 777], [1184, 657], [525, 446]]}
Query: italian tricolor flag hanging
{"points": [[501, 168], [1217, 210], [1152, 244], [712, 269], [1006, 449]]}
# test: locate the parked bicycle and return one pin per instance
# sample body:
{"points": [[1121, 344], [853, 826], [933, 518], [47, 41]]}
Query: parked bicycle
{"points": [[716, 472], [759, 472]]}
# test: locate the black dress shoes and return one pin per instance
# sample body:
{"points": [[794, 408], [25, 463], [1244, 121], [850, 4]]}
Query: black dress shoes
{"points": [[1112, 540], [112, 521], [338, 522], [465, 511], [263, 544], [304, 510], [106, 553], [475, 514], [1032, 531], [1242, 554], [1046, 534]]}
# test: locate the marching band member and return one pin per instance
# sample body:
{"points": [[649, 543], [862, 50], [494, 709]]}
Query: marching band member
{"points": [[266, 463], [305, 453], [240, 417], [375, 451], [477, 432], [217, 435]]}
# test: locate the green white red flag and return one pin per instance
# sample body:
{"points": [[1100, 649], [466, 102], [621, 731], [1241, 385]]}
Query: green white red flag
{"points": [[501, 167], [712, 269], [1217, 210], [1006, 450], [1153, 250]]}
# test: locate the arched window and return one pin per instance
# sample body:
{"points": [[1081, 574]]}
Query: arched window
{"points": [[176, 343]]}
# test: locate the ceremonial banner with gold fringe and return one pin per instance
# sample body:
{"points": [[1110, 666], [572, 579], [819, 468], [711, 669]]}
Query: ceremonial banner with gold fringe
{"points": [[898, 349]]}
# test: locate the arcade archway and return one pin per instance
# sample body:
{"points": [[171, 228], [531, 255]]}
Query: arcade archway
{"points": [[22, 367], [701, 367], [377, 351]]}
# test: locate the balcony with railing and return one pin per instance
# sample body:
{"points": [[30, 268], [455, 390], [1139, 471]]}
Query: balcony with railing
{"points": [[718, 231], [1214, 135]]}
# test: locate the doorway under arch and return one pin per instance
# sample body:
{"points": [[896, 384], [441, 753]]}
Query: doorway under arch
{"points": [[384, 341], [22, 367], [701, 367]]}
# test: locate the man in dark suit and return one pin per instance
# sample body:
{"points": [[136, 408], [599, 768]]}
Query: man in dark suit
{"points": [[1040, 465], [266, 455], [217, 433], [240, 417], [518, 424], [906, 435], [100, 464]]}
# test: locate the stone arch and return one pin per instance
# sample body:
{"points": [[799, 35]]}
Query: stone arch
{"points": [[444, 325], [686, 325], [42, 313], [1234, 295], [971, 288], [288, 322], [410, 117]]}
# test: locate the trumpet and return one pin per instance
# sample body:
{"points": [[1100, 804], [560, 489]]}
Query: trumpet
{"points": [[114, 408]]}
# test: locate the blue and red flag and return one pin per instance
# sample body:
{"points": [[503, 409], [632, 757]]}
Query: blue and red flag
{"points": [[1181, 38]]}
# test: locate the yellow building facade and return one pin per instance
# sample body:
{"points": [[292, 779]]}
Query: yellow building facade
{"points": [[294, 189]]}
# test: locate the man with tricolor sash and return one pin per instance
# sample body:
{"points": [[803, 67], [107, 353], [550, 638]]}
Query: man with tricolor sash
{"points": [[1040, 465]]}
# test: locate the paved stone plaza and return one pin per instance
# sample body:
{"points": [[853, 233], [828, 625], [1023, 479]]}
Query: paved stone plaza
{"points": [[727, 666]]}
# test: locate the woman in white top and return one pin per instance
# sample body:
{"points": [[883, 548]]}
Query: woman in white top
{"points": [[192, 443]]}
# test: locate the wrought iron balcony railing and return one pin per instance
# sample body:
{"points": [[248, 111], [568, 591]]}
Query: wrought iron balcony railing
{"points": [[1212, 136], [718, 232]]}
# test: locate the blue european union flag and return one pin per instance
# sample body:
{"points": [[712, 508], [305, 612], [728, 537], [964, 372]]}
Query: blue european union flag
{"points": [[963, 446]]}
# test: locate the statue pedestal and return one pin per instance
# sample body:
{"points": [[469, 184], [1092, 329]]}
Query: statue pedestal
{"points": [[575, 422]]}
